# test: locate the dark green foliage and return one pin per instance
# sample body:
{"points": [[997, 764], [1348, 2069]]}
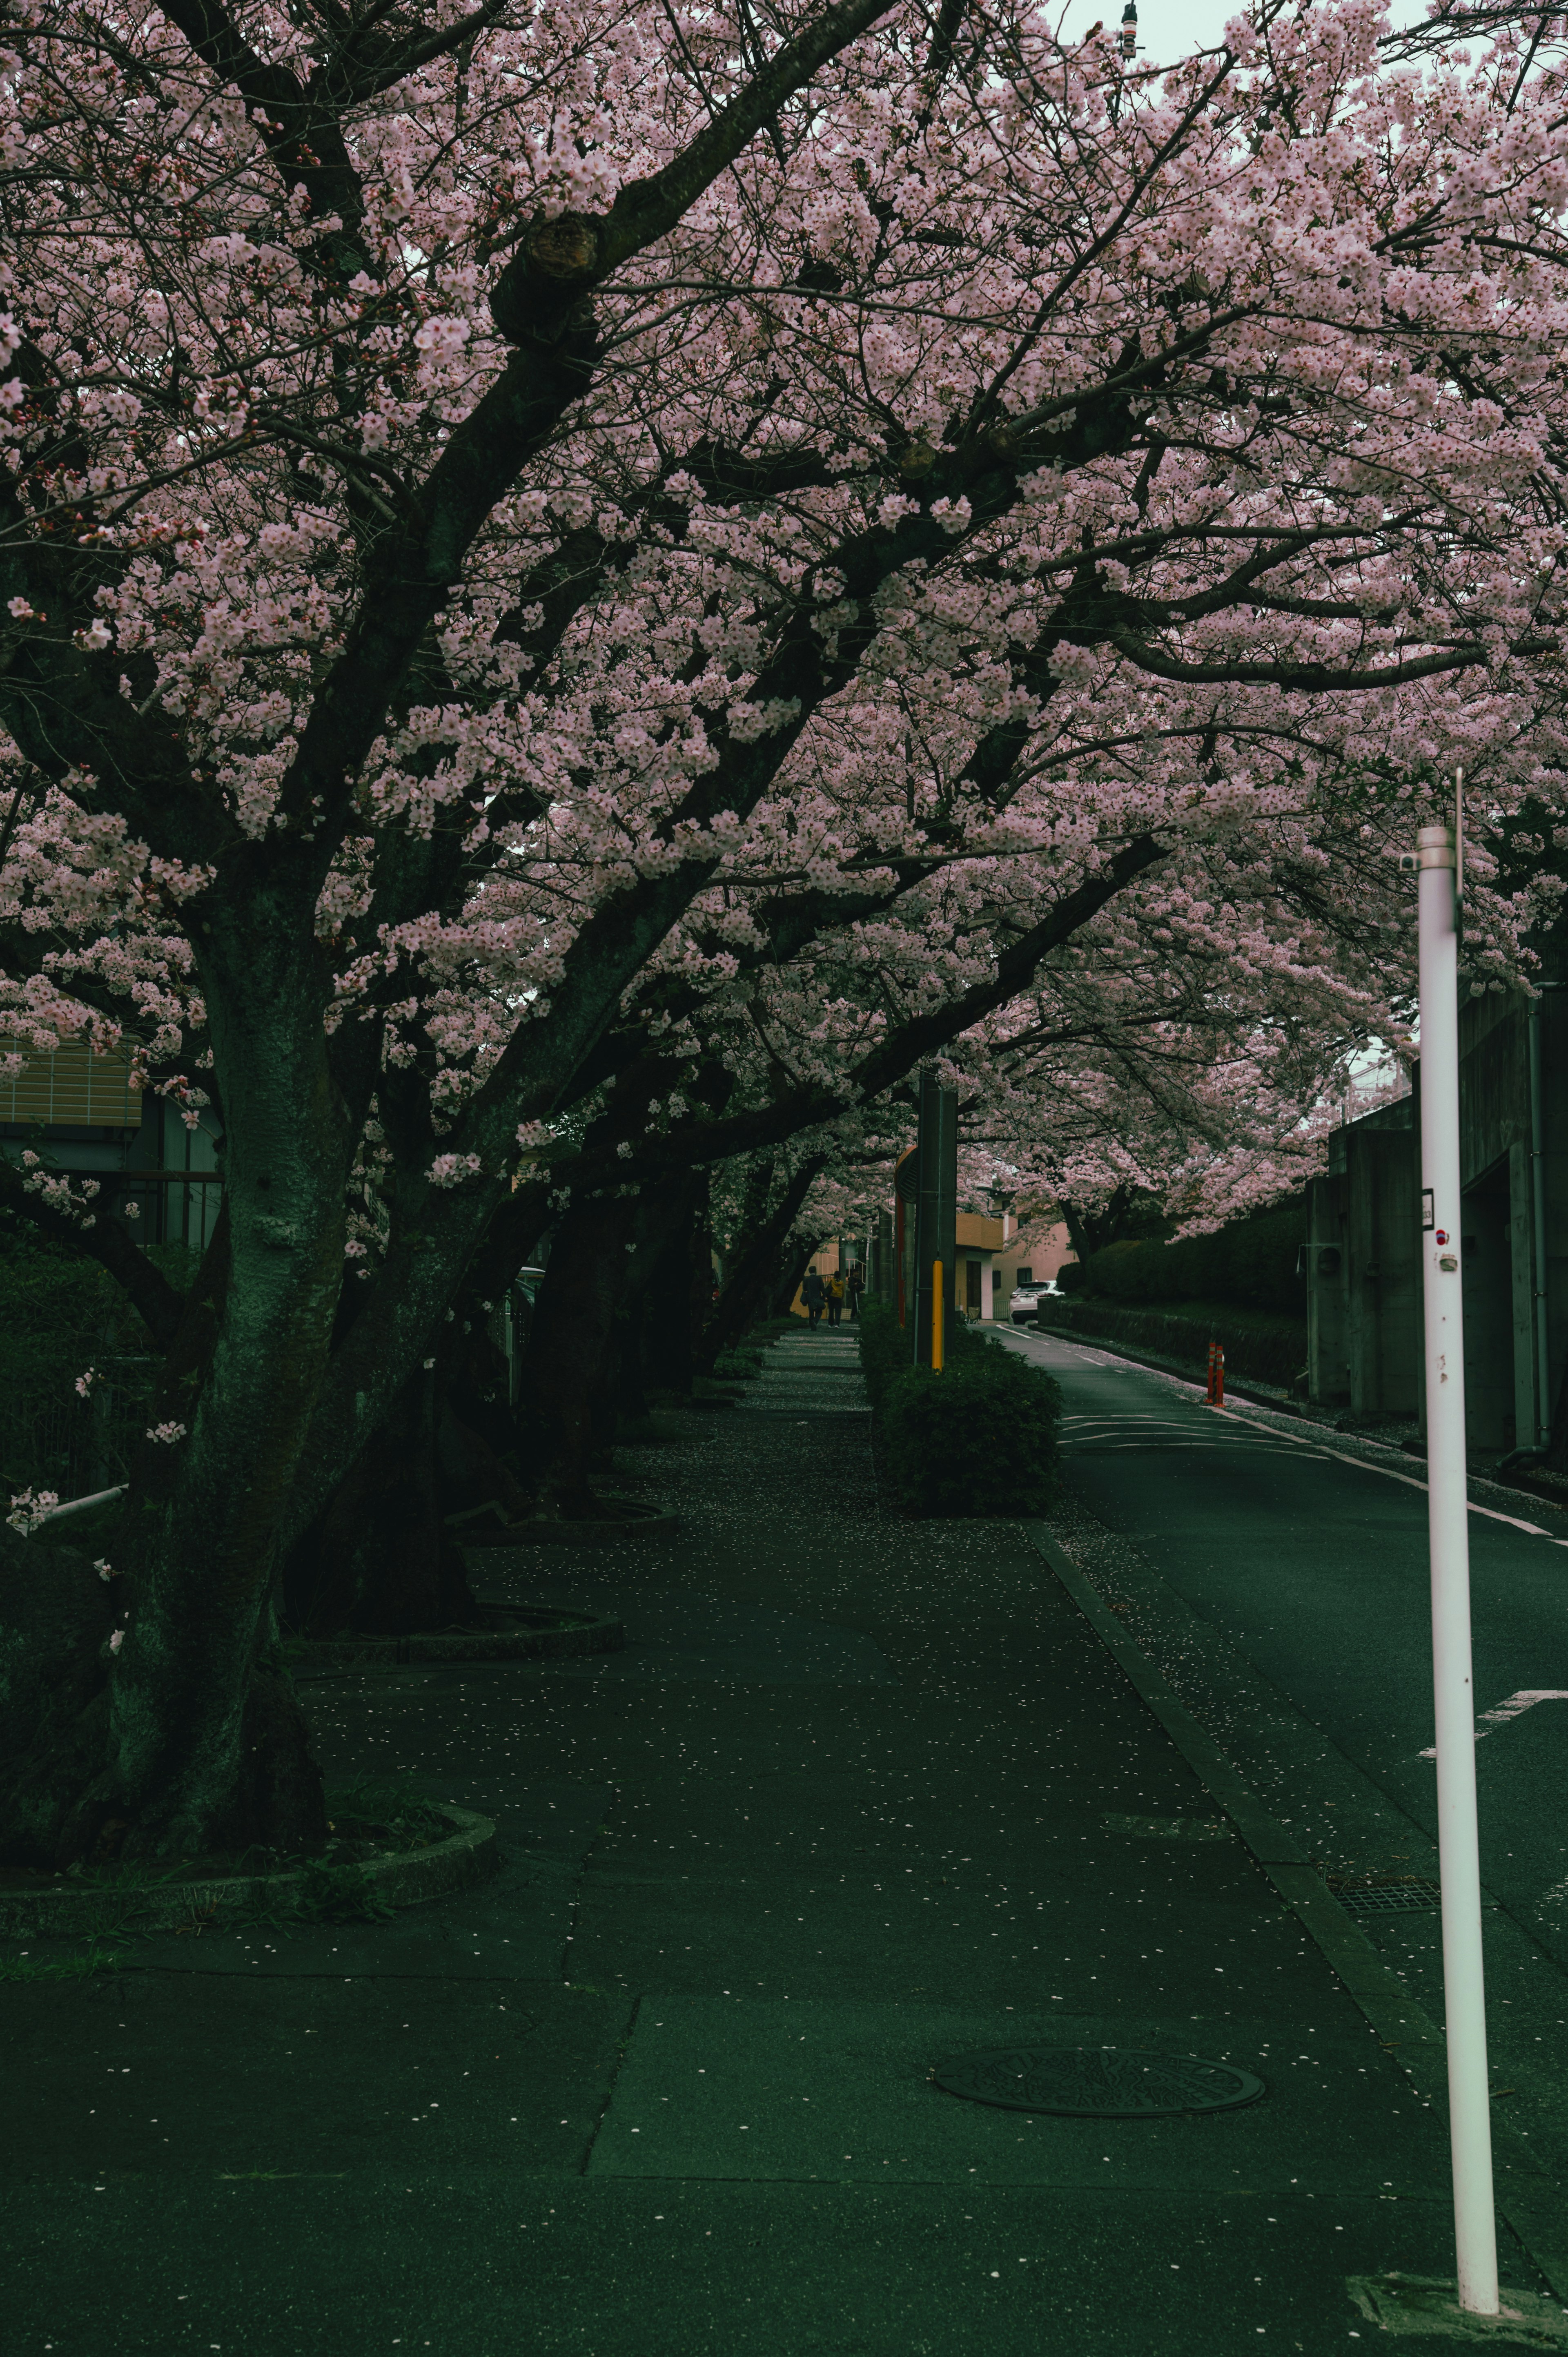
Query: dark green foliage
{"points": [[979, 1439], [1072, 1276], [737, 1366], [390, 1810], [885, 1348], [1258, 1348], [1252, 1263], [60, 1314]]}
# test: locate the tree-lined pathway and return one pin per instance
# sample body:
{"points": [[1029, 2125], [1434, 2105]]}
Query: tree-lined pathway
{"points": [[860, 1794]]}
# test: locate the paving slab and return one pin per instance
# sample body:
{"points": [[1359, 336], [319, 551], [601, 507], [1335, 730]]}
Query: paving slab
{"points": [[843, 2093], [214, 2078], [463, 2266]]}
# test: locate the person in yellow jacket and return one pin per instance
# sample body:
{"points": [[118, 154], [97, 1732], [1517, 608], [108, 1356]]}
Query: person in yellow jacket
{"points": [[835, 1298]]}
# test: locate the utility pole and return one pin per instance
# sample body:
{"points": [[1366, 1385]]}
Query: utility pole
{"points": [[936, 1217], [1448, 1524]]}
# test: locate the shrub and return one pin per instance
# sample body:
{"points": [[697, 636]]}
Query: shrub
{"points": [[59, 1314], [1252, 1263], [1258, 1348], [885, 1348], [979, 1439]]}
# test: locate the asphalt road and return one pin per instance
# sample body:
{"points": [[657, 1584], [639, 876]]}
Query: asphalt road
{"points": [[1315, 1568]]}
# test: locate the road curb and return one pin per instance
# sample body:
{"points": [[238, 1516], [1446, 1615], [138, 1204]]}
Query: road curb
{"points": [[1535, 2208]]}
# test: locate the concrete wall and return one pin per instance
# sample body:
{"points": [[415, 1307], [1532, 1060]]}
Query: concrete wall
{"points": [[1363, 1262], [1363, 1268]]}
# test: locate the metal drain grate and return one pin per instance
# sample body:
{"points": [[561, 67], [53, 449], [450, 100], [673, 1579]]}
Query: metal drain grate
{"points": [[1409, 1895]]}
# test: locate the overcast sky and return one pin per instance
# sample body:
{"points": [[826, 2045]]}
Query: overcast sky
{"points": [[1168, 29]]}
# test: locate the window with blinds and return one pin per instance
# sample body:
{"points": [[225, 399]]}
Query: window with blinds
{"points": [[73, 1088]]}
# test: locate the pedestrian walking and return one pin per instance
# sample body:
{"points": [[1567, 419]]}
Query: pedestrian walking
{"points": [[814, 1294], [855, 1286], [835, 1299]]}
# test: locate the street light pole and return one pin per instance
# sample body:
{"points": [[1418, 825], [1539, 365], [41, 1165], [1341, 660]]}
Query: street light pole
{"points": [[1448, 1525]]}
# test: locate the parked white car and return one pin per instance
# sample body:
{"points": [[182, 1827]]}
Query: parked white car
{"points": [[1024, 1304]]}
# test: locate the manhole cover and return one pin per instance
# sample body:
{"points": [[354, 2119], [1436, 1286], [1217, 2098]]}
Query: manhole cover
{"points": [[1096, 2082]]}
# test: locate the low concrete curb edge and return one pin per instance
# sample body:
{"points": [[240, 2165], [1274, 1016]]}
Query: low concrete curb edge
{"points": [[404, 1879]]}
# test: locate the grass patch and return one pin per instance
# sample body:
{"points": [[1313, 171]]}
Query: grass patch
{"points": [[336, 1894], [388, 1805], [95, 1959]]}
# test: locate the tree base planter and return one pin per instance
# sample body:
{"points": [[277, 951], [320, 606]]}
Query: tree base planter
{"points": [[538, 1634], [632, 1522], [62, 1906]]}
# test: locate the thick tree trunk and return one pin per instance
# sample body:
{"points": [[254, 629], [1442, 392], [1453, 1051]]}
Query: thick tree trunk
{"points": [[381, 1561], [203, 1746], [792, 1270], [567, 1371], [674, 1279], [381, 1558], [632, 1403], [752, 1268]]}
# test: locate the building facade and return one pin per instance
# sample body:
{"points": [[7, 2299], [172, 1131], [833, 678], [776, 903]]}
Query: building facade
{"points": [[1363, 1255], [80, 1113]]}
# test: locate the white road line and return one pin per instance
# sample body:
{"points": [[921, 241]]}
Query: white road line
{"points": [[1533, 1529], [1526, 1699], [1124, 1366]]}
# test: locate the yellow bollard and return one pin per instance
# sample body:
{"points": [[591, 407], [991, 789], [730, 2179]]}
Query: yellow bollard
{"points": [[937, 1317]]}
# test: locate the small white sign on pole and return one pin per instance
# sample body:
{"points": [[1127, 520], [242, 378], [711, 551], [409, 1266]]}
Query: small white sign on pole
{"points": [[1448, 1522]]}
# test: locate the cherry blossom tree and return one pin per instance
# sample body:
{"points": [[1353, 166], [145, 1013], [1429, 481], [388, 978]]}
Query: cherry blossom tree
{"points": [[582, 591]]}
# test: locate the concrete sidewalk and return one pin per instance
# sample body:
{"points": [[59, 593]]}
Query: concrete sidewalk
{"points": [[861, 1794]]}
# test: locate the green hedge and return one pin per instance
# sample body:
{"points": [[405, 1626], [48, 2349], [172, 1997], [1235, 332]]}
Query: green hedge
{"points": [[1258, 1347], [60, 1314], [885, 1348], [1252, 1263], [983, 1437]]}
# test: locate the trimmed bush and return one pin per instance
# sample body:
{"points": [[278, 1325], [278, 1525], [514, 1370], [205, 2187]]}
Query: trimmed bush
{"points": [[1252, 1263], [1258, 1348], [885, 1348], [980, 1438]]}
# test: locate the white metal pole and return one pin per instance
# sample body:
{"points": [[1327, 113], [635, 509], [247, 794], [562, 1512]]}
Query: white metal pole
{"points": [[1469, 2102]]}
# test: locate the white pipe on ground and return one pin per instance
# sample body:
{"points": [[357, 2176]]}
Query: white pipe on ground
{"points": [[80, 1505]]}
